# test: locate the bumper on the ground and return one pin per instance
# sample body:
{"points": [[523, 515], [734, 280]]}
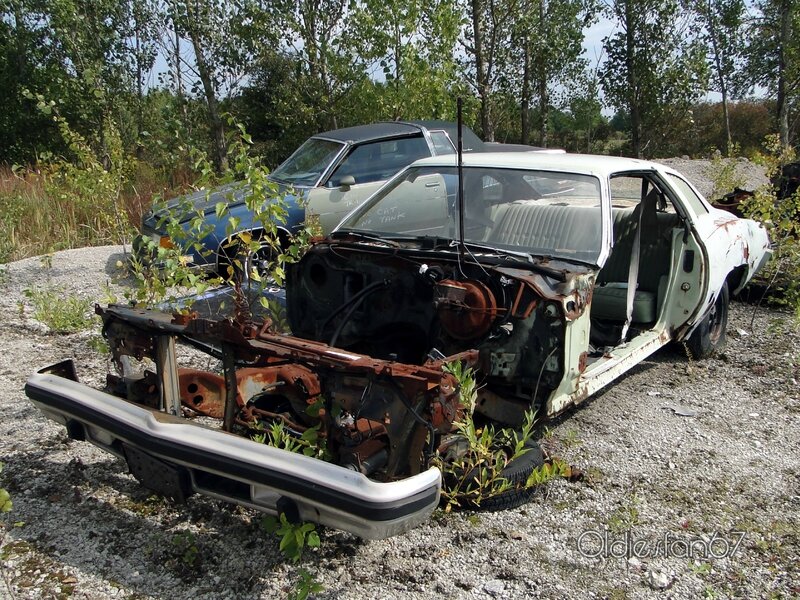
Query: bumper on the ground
{"points": [[178, 457]]}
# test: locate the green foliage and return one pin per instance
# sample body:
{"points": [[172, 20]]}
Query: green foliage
{"points": [[555, 469], [625, 516], [655, 70], [184, 544], [722, 173], [60, 312], [474, 471], [5, 498], [63, 203], [305, 586], [308, 443], [165, 273], [294, 536], [780, 217]]}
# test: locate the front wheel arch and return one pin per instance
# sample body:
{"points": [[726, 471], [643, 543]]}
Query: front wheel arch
{"points": [[229, 250]]}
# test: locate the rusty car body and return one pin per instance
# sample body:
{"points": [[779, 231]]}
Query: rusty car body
{"points": [[551, 274]]}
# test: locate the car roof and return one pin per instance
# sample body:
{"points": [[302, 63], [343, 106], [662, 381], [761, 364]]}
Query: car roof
{"points": [[472, 143], [588, 164], [373, 131], [392, 129]]}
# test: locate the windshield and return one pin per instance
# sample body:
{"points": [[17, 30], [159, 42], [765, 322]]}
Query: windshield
{"points": [[307, 164], [542, 213]]}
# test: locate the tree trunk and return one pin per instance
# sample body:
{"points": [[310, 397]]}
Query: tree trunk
{"points": [[785, 41], [525, 101], [214, 119], [481, 76], [630, 65], [544, 100], [723, 86]]}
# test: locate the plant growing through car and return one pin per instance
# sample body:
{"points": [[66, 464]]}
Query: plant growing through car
{"points": [[308, 443], [476, 472]]}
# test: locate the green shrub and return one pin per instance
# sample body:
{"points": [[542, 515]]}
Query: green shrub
{"points": [[61, 313], [780, 217]]}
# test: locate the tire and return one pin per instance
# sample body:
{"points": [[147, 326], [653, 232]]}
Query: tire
{"points": [[516, 472], [243, 260], [258, 261], [709, 337]]}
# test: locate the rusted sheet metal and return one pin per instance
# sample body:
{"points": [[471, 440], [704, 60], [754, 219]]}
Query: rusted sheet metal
{"points": [[271, 345], [573, 295], [204, 392]]}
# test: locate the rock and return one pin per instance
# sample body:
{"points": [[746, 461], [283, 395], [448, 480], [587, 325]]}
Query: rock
{"points": [[657, 580], [494, 587]]}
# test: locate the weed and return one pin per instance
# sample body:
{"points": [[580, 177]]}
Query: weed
{"points": [[185, 545], [5, 498], [722, 172], [545, 473], [306, 585], [98, 344], [571, 439], [700, 568], [474, 520], [294, 536], [625, 517], [309, 443], [61, 313], [780, 219], [473, 460]]}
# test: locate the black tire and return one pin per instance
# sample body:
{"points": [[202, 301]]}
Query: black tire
{"points": [[243, 260], [516, 473], [709, 337]]}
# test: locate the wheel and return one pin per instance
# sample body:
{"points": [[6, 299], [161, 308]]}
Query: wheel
{"points": [[244, 261], [709, 337], [258, 261], [516, 473]]}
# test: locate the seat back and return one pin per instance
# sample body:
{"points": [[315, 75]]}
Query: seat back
{"points": [[532, 226]]}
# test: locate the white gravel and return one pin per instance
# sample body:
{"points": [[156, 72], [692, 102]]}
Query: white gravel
{"points": [[82, 527]]}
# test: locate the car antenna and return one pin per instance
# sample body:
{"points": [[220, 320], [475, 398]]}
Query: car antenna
{"points": [[460, 200]]}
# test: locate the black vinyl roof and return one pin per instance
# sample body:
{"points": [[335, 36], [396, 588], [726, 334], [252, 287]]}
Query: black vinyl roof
{"points": [[366, 133], [392, 129]]}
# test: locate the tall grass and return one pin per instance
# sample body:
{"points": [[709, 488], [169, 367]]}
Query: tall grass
{"points": [[62, 206]]}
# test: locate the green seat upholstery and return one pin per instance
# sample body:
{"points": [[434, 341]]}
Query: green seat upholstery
{"points": [[609, 301]]}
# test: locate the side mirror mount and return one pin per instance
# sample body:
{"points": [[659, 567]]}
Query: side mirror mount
{"points": [[346, 181]]}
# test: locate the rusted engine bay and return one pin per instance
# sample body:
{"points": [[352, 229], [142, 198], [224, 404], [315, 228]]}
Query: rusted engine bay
{"points": [[372, 332], [414, 304]]}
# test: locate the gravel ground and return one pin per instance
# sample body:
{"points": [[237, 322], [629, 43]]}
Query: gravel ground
{"points": [[724, 480]]}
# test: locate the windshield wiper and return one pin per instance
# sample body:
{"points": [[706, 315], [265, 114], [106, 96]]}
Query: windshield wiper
{"points": [[516, 255], [364, 236]]}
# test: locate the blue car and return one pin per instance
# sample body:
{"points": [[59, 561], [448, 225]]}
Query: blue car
{"points": [[328, 176]]}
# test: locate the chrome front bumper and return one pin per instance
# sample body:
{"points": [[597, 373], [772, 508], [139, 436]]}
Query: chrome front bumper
{"points": [[225, 466]]}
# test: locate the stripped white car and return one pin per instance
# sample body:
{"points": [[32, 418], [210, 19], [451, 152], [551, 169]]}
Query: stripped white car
{"points": [[552, 274]]}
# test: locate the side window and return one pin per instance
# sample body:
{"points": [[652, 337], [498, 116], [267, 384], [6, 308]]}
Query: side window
{"points": [[694, 201], [627, 190], [378, 161], [442, 144]]}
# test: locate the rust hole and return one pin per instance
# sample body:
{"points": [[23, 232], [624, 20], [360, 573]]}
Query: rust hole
{"points": [[197, 400], [192, 387]]}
